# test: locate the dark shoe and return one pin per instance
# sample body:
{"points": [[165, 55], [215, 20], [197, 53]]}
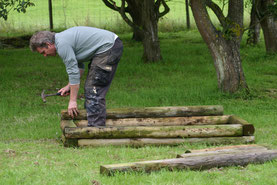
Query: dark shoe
{"points": [[97, 126]]}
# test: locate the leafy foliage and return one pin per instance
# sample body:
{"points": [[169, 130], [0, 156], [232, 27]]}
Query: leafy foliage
{"points": [[19, 5]]}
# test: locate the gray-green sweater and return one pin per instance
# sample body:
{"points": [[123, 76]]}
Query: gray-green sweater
{"points": [[79, 44]]}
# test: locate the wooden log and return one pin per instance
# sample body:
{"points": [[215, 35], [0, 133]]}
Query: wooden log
{"points": [[67, 124], [194, 163], [139, 142], [67, 142], [248, 128], [152, 112], [220, 150], [155, 132], [169, 121]]}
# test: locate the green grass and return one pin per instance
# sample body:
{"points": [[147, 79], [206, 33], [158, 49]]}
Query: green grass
{"points": [[30, 148]]}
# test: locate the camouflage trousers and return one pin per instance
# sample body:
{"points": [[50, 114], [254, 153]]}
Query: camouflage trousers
{"points": [[100, 75]]}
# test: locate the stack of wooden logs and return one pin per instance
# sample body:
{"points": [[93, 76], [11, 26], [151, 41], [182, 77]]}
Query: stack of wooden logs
{"points": [[158, 126]]}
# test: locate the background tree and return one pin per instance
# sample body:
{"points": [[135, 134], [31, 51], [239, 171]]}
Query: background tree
{"points": [[145, 15], [224, 44], [266, 11], [18, 5], [254, 26]]}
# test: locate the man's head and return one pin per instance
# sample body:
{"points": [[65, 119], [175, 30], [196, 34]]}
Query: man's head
{"points": [[44, 43]]}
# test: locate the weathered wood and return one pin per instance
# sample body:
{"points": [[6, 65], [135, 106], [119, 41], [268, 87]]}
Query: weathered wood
{"points": [[150, 112], [248, 128], [139, 142], [194, 163], [67, 142], [169, 121], [67, 124], [220, 150], [155, 132]]}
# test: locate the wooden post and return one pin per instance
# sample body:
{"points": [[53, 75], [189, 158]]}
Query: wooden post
{"points": [[169, 121], [155, 132], [140, 142], [153, 112], [248, 128], [197, 162], [50, 14]]}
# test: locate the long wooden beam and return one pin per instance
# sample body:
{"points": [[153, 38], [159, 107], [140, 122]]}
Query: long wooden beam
{"points": [[201, 162], [152, 112], [155, 132], [169, 121], [225, 149], [139, 142]]}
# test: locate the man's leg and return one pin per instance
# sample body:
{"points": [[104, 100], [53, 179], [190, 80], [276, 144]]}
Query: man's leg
{"points": [[95, 103], [101, 73]]}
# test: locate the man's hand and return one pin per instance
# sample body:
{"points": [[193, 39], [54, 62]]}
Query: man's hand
{"points": [[65, 90], [72, 109]]}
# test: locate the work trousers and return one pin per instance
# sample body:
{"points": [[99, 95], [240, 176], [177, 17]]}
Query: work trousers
{"points": [[100, 75]]}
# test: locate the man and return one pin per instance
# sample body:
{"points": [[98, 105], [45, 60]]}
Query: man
{"points": [[77, 45]]}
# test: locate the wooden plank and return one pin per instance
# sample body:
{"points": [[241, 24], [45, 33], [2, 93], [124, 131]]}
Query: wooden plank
{"points": [[168, 121], [150, 112], [155, 132], [225, 149], [248, 128], [139, 142], [193, 163]]}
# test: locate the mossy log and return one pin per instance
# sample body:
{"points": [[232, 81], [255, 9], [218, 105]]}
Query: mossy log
{"points": [[169, 121], [139, 142], [201, 162], [67, 124], [67, 142], [248, 128], [220, 150], [152, 112], [155, 132]]}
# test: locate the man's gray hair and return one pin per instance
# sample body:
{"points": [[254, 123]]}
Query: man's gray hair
{"points": [[41, 38]]}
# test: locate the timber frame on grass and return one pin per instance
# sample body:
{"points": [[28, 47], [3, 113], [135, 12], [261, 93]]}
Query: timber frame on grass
{"points": [[158, 126]]}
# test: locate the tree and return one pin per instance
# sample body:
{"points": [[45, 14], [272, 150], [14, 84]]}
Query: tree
{"points": [[19, 5], [266, 11], [224, 44], [145, 15], [254, 27]]}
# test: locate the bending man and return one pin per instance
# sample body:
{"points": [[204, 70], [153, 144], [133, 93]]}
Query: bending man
{"points": [[77, 45]]}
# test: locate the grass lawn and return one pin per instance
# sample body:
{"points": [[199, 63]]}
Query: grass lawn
{"points": [[30, 148]]}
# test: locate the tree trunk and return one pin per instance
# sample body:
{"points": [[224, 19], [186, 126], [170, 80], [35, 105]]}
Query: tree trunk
{"points": [[187, 14], [139, 142], [224, 47], [269, 25], [198, 162], [135, 11], [254, 27], [151, 43], [155, 132]]}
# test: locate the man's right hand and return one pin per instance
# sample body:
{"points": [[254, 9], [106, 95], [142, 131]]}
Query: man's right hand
{"points": [[65, 90]]}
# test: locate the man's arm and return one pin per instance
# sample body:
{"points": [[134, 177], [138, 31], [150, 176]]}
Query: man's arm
{"points": [[72, 106], [65, 90]]}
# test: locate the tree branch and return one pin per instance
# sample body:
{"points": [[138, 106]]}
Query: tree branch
{"points": [[112, 5], [218, 12], [125, 18], [166, 8]]}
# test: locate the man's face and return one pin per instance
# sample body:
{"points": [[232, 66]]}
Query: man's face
{"points": [[50, 50]]}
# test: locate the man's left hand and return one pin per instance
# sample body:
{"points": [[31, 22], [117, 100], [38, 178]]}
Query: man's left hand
{"points": [[72, 109]]}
